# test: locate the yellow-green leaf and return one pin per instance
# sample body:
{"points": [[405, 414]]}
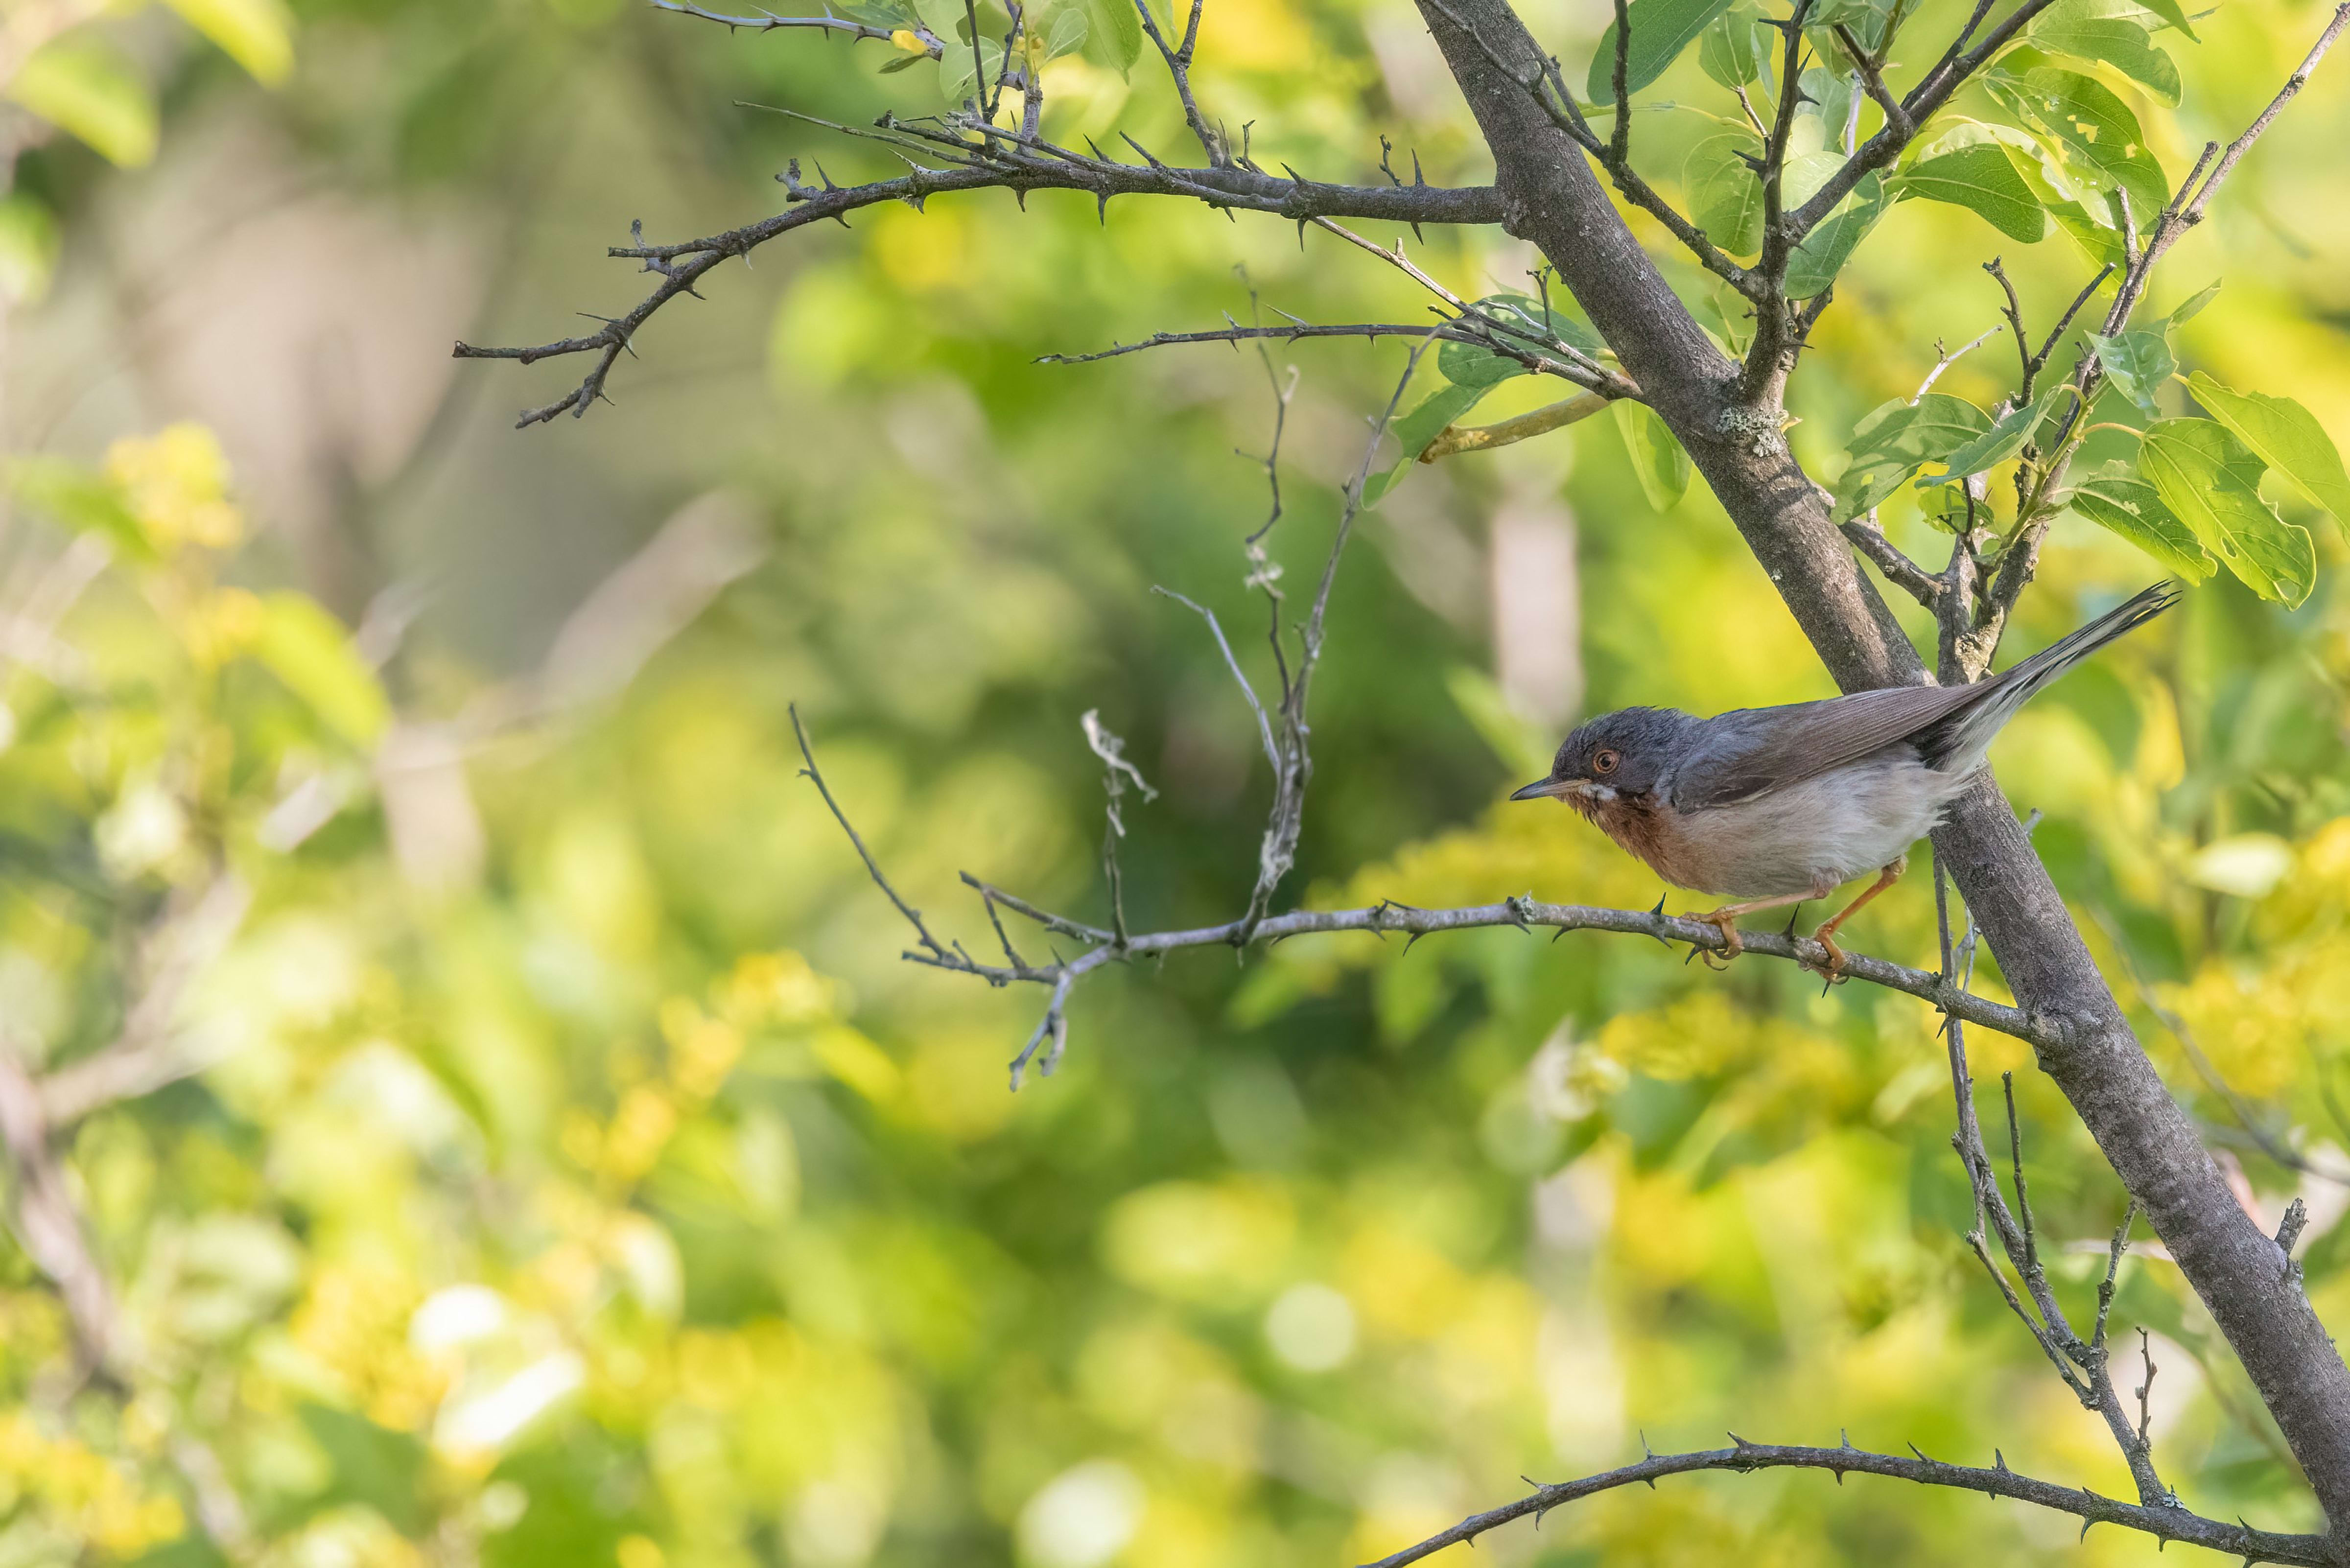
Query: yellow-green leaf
{"points": [[1661, 30], [1658, 460], [89, 93], [2116, 499], [308, 648], [28, 249], [256, 34], [2113, 31], [2211, 481], [1725, 199], [2287, 436], [1895, 440], [1983, 179]]}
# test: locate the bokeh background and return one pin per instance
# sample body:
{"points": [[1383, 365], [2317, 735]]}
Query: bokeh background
{"points": [[503, 1131]]}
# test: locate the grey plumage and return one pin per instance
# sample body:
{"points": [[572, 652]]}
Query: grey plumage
{"points": [[1747, 751], [1774, 804]]}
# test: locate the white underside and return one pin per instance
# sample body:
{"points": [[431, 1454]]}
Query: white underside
{"points": [[1814, 835]]}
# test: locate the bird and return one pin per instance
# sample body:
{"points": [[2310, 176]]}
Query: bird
{"points": [[1780, 805]]}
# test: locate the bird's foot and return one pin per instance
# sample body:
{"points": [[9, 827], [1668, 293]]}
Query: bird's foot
{"points": [[1732, 944], [1833, 965]]}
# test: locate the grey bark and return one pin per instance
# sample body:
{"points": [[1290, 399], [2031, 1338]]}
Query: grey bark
{"points": [[1550, 196]]}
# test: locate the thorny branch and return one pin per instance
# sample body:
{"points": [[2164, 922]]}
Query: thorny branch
{"points": [[2165, 1524], [979, 158]]}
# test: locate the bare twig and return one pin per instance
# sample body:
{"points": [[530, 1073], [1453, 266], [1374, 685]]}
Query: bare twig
{"points": [[2083, 1365], [1943, 360], [2164, 1523], [1178, 58], [768, 22], [998, 162], [873, 868]]}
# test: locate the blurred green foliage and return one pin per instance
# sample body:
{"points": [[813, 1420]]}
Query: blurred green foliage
{"points": [[552, 1164]]}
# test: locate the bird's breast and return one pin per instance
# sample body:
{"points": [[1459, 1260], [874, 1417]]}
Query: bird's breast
{"points": [[1650, 830]]}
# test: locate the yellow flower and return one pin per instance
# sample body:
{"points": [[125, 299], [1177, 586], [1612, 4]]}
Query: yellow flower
{"points": [[175, 484]]}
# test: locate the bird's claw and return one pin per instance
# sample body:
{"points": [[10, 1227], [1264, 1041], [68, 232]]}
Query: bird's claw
{"points": [[1831, 965], [1732, 944]]}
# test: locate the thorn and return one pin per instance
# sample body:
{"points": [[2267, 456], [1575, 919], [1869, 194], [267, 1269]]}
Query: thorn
{"points": [[1740, 1442], [1692, 953], [2085, 1532], [1919, 1452], [1791, 918], [1845, 1435], [1999, 1461]]}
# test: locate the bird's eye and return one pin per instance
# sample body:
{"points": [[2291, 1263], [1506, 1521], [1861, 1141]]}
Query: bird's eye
{"points": [[1603, 762]]}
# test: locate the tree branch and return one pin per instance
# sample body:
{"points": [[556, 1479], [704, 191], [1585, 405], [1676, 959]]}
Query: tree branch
{"points": [[767, 21], [992, 165], [2165, 1524]]}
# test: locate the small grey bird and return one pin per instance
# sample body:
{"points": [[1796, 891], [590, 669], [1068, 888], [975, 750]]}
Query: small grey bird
{"points": [[1778, 806]]}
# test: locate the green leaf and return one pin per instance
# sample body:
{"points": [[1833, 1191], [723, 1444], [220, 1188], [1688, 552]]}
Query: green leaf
{"points": [[877, 14], [73, 497], [2137, 363], [1066, 33], [2192, 305], [2093, 134], [1895, 441], [256, 34], [903, 63], [2113, 31], [88, 93], [28, 249], [1828, 98], [2100, 242], [1467, 365], [1983, 179], [1725, 199], [1729, 53], [958, 71], [2211, 481], [1114, 39], [308, 649], [1416, 427], [2007, 436], [1826, 248], [2285, 436], [2116, 499], [1658, 460], [1661, 30], [2173, 14]]}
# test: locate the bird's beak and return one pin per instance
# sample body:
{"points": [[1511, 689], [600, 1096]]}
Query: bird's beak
{"points": [[1550, 789]]}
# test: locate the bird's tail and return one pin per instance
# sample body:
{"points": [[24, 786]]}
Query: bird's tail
{"points": [[1957, 743]]}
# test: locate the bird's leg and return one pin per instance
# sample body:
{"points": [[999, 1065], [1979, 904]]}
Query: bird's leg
{"points": [[1725, 920], [1826, 935]]}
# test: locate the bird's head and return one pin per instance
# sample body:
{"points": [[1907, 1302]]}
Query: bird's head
{"points": [[1618, 755]]}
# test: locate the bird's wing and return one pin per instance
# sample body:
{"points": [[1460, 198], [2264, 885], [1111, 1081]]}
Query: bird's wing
{"points": [[1756, 750]]}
